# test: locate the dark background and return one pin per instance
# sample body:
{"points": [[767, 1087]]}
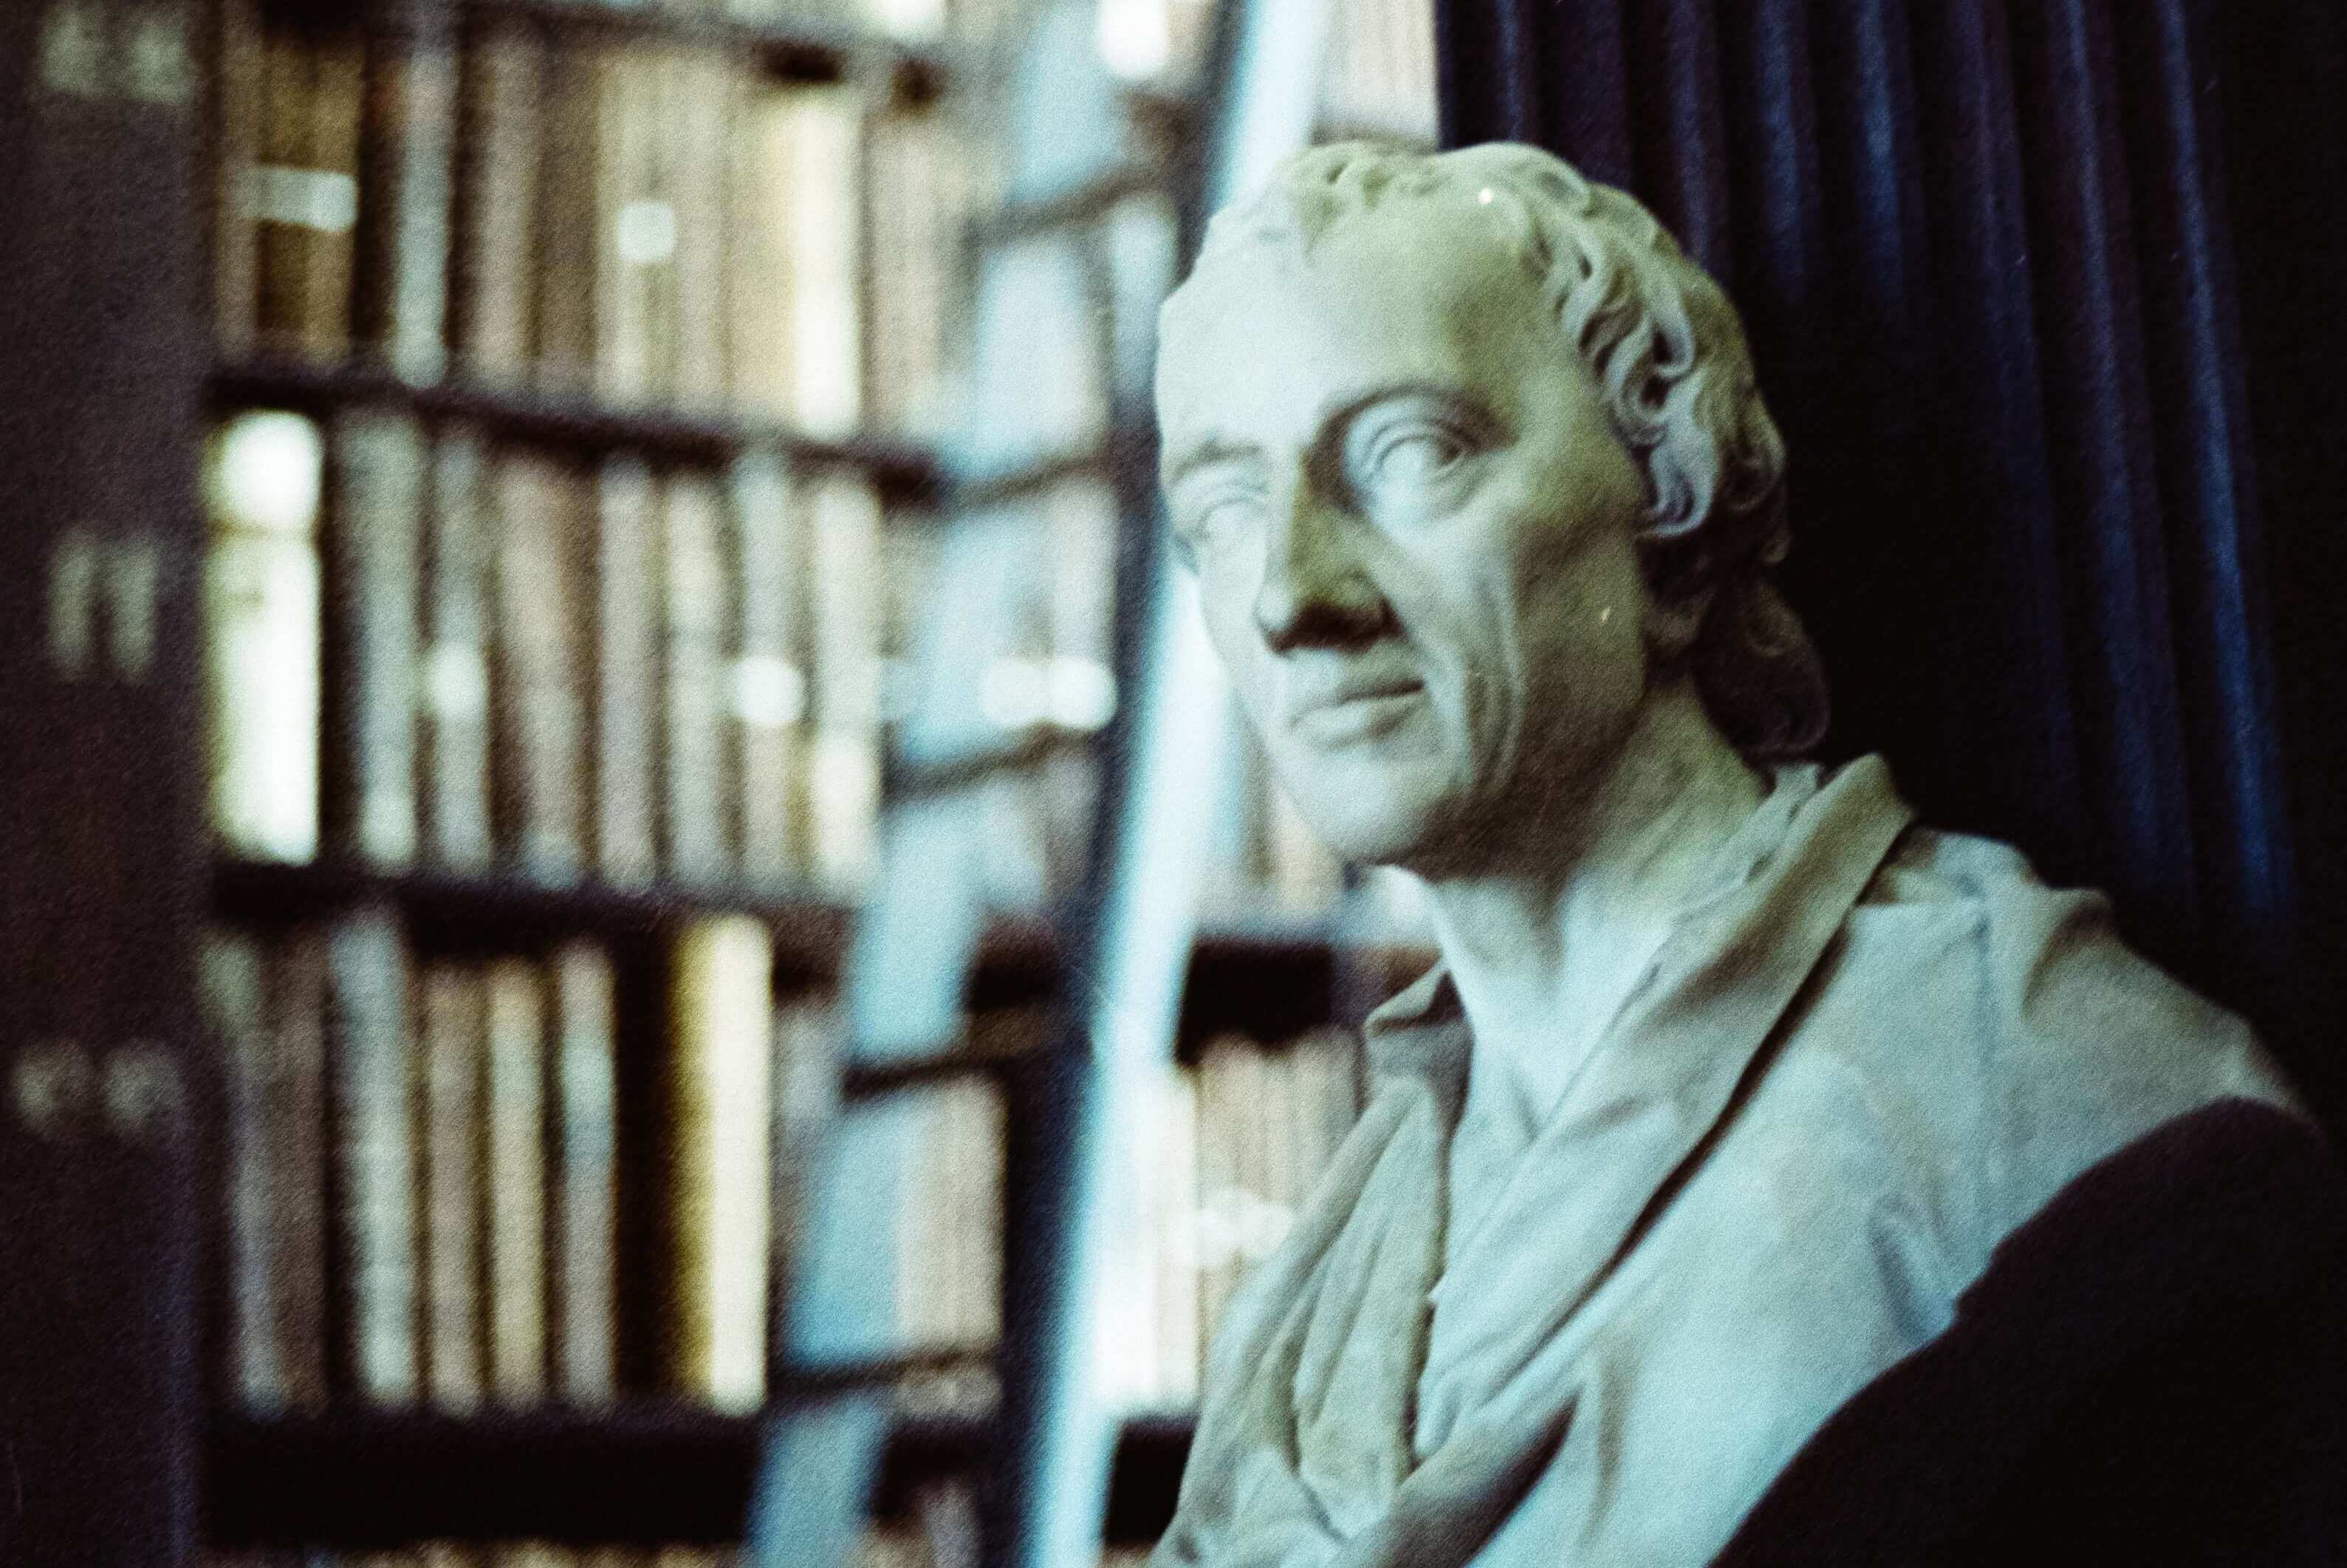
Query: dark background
{"points": [[2046, 298]]}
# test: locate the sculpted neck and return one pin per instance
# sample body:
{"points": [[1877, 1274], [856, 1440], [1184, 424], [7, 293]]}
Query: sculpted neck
{"points": [[1546, 940]]}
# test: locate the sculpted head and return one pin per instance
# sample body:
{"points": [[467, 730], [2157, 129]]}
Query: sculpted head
{"points": [[1470, 463]]}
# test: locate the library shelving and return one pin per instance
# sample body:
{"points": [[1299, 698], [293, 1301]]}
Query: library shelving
{"points": [[383, 206]]}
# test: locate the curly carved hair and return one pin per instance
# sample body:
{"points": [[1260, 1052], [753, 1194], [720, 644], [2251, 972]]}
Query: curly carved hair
{"points": [[1668, 355]]}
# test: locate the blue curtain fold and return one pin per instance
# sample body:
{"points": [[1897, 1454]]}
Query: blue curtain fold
{"points": [[2007, 309]]}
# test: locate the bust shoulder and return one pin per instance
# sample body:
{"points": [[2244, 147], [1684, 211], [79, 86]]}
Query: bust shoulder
{"points": [[2044, 1041]]}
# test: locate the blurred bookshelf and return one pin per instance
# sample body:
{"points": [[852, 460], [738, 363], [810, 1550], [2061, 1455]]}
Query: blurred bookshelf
{"points": [[581, 382]]}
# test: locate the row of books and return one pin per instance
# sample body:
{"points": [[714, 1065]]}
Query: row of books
{"points": [[1219, 1161], [892, 1547], [433, 650], [421, 1181], [583, 213], [424, 1179], [565, 671]]}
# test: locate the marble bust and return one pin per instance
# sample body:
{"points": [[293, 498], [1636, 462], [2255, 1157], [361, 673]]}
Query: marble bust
{"points": [[1732, 1078]]}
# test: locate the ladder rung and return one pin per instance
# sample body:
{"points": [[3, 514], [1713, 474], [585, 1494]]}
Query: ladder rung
{"points": [[800, 1383], [910, 780], [1086, 203], [870, 1079], [1027, 474]]}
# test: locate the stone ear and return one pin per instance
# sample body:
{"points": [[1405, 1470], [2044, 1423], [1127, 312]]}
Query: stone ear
{"points": [[1673, 622]]}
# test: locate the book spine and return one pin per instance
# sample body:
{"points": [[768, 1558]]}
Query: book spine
{"points": [[289, 204], [1217, 1218], [627, 664], [451, 1027], [843, 766], [586, 1112], [232, 989], [720, 1005], [768, 686], [262, 636], [515, 1106], [758, 311], [806, 1097], [294, 1150], [454, 691], [826, 295], [577, 217], [535, 698], [240, 105], [332, 203], [1181, 1348], [498, 259], [372, 559], [636, 243], [373, 1159], [696, 791], [406, 179], [699, 115]]}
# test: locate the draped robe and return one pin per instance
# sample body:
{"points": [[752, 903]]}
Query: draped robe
{"points": [[1861, 1060]]}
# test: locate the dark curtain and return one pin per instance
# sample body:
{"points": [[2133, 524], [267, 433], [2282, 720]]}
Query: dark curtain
{"points": [[2063, 514]]}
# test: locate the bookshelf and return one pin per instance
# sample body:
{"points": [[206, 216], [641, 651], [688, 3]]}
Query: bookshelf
{"points": [[642, 1462]]}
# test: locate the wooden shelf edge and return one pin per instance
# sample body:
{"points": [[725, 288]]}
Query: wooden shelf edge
{"points": [[904, 468], [638, 1475]]}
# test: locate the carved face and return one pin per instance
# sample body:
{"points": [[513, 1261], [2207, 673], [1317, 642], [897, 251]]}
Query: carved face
{"points": [[1413, 529]]}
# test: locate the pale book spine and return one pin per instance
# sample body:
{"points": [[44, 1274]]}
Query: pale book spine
{"points": [[1175, 1192], [586, 1347], [826, 294], [696, 791], [627, 664], [915, 234], [406, 182], [331, 200], [925, 1309], [1218, 1183], [454, 676], [700, 116], [233, 988], [371, 560], [721, 1020], [373, 1159], [516, 1180], [240, 105], [975, 1184], [262, 627], [498, 256], [636, 251], [1278, 1116], [768, 686], [844, 770], [758, 310], [805, 1096], [451, 1030], [536, 697]]}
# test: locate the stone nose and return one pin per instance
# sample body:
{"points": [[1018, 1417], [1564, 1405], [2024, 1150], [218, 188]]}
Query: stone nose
{"points": [[1315, 590]]}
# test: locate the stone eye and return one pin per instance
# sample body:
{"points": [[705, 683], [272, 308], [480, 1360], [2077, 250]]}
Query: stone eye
{"points": [[1414, 455]]}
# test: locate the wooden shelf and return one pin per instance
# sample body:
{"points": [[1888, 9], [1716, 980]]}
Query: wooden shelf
{"points": [[905, 470], [647, 1474], [812, 931], [489, 911], [795, 48]]}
